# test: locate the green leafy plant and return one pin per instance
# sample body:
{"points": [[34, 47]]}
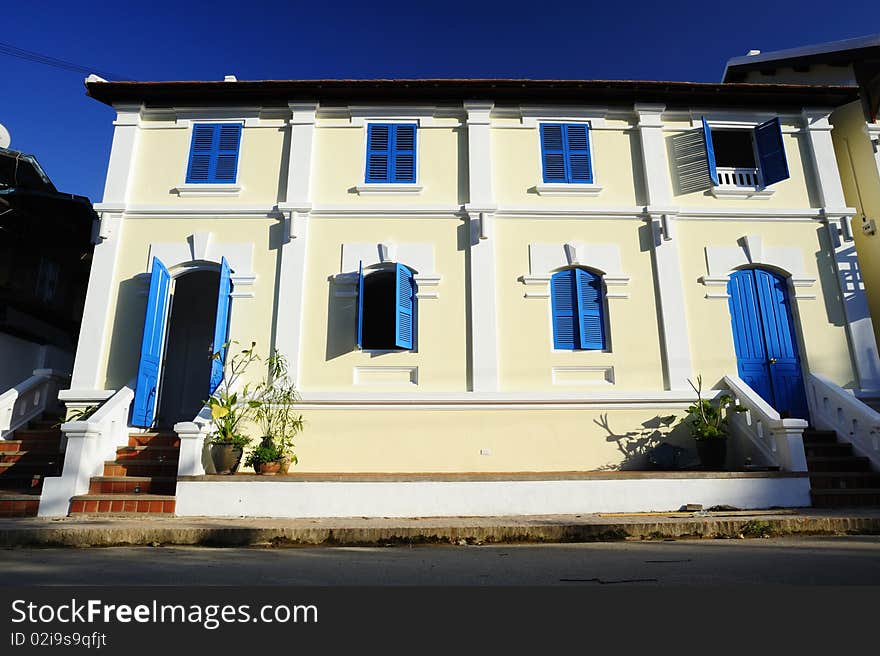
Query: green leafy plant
{"points": [[274, 409], [708, 420], [227, 413], [78, 414], [266, 452]]}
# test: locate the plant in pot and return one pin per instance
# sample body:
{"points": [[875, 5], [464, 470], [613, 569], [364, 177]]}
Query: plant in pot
{"points": [[228, 414], [274, 413], [708, 423]]}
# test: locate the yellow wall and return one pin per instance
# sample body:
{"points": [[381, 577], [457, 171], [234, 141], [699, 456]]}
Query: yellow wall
{"points": [[250, 318], [820, 321], [161, 161], [525, 336], [329, 353], [859, 175]]}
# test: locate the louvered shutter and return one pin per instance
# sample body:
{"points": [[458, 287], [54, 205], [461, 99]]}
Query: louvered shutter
{"points": [[360, 306], [201, 154], [771, 152], [710, 152], [146, 394], [564, 307], [228, 140], [553, 153], [577, 144], [405, 301], [589, 305], [404, 163], [378, 147], [221, 326]]}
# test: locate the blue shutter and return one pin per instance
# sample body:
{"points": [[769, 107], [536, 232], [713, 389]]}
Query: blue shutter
{"points": [[710, 152], [147, 385], [553, 153], [564, 306], [378, 148], [201, 154], [404, 161], [221, 326], [360, 306], [590, 304], [403, 323], [213, 156], [771, 152], [577, 142]]}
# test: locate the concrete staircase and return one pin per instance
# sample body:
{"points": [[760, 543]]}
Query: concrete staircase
{"points": [[142, 479], [838, 478], [26, 458]]}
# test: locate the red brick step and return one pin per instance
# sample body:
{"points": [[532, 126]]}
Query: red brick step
{"points": [[114, 504]]}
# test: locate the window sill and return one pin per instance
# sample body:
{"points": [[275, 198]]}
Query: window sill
{"points": [[226, 190], [389, 189], [557, 189], [741, 192]]}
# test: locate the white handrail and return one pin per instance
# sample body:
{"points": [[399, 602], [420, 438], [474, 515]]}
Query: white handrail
{"points": [[29, 399], [763, 435], [89, 444], [833, 408]]}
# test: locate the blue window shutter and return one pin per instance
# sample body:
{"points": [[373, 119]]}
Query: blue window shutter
{"points": [[146, 393], [553, 152], [228, 139], [360, 306], [403, 324], [577, 143], [710, 152], [771, 152], [564, 306], [201, 154], [378, 150], [404, 162], [221, 326], [590, 304]]}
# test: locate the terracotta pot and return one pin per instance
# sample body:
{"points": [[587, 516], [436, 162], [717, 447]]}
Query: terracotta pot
{"points": [[226, 458], [285, 465], [712, 452], [270, 468]]}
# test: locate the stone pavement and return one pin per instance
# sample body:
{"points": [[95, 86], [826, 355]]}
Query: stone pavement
{"points": [[227, 532]]}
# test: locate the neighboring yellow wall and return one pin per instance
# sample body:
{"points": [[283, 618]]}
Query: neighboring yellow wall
{"points": [[162, 155], [516, 153], [525, 336], [858, 172], [791, 193], [329, 353], [250, 318], [817, 74], [340, 159], [425, 440], [821, 324]]}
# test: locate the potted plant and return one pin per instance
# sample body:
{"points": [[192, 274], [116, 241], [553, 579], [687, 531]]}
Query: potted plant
{"points": [[227, 439], [708, 426], [279, 423]]}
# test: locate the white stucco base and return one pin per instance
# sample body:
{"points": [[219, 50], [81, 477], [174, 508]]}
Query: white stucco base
{"points": [[292, 498]]}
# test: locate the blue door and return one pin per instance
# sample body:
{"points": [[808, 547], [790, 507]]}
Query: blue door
{"points": [[147, 391], [221, 326], [765, 342]]}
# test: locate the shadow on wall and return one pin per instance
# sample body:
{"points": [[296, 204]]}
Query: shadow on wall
{"points": [[341, 317], [128, 330], [828, 277], [638, 447]]}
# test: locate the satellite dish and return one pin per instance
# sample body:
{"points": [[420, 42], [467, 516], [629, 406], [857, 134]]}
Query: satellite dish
{"points": [[5, 139]]}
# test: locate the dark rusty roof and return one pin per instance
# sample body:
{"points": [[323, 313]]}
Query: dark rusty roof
{"points": [[511, 91]]}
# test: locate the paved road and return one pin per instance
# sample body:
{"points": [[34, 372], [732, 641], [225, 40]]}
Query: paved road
{"points": [[787, 561]]}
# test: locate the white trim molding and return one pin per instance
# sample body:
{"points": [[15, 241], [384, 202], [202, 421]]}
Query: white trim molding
{"points": [[557, 189], [205, 190], [380, 189]]}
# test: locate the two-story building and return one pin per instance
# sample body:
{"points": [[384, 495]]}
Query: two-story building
{"points": [[490, 292]]}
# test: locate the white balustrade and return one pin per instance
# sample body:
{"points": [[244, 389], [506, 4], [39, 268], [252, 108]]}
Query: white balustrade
{"points": [[834, 408], [90, 443], [192, 436], [737, 177], [773, 440], [30, 399]]}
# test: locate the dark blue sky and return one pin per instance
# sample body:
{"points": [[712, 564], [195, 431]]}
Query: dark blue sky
{"points": [[48, 114]]}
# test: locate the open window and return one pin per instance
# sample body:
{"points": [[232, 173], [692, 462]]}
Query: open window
{"points": [[731, 158], [386, 309]]}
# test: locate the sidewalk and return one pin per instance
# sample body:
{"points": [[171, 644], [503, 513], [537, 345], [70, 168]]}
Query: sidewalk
{"points": [[132, 531]]}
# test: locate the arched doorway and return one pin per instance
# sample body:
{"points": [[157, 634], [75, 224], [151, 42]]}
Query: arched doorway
{"points": [[765, 340]]}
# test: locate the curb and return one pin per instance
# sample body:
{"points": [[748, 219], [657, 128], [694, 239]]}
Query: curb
{"points": [[73, 535]]}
